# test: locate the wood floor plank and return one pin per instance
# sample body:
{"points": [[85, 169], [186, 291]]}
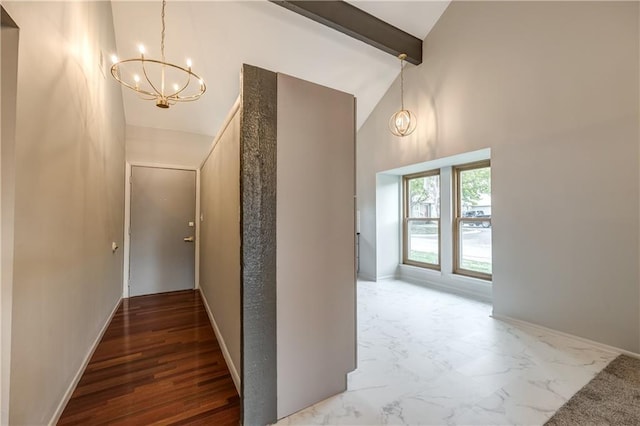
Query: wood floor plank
{"points": [[158, 363]]}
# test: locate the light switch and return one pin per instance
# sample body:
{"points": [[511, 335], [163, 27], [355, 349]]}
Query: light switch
{"points": [[191, 224], [201, 217]]}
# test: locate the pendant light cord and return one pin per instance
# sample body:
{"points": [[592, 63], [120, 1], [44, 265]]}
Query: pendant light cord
{"points": [[164, 3], [401, 83]]}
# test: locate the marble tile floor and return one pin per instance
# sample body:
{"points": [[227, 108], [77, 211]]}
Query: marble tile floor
{"points": [[431, 358]]}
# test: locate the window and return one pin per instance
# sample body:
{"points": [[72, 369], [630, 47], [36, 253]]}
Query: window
{"points": [[472, 221], [421, 227], [462, 192]]}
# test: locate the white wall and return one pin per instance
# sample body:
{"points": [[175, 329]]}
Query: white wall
{"points": [[388, 211], [169, 147], [315, 223], [69, 199], [220, 241], [552, 89]]}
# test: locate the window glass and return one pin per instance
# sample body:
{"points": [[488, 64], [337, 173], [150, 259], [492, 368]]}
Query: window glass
{"points": [[424, 241], [422, 220], [424, 197], [475, 192], [475, 248], [473, 197]]}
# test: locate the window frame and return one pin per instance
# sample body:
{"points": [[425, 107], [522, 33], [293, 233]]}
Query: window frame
{"points": [[458, 220], [406, 219]]}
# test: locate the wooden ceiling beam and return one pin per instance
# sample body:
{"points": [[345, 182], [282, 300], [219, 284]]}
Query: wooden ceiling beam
{"points": [[354, 22]]}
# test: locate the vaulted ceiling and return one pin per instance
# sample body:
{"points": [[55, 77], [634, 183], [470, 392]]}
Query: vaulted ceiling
{"points": [[219, 36]]}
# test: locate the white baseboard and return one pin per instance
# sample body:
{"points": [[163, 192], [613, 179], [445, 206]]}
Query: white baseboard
{"points": [[447, 289], [365, 277], [387, 277], [83, 366], [225, 351], [599, 345]]}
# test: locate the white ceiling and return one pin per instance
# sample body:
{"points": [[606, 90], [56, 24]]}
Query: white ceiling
{"points": [[219, 36], [415, 17]]}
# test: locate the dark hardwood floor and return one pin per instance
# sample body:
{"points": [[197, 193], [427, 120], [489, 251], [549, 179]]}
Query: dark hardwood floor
{"points": [[158, 363]]}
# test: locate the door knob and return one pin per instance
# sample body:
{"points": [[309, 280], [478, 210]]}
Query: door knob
{"points": [[188, 239]]}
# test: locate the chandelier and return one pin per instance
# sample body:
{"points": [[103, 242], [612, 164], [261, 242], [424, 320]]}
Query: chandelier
{"points": [[403, 122], [158, 80]]}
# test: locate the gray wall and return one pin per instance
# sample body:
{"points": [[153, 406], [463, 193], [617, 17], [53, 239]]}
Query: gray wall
{"points": [[69, 199], [8, 85], [220, 239], [315, 243], [169, 147], [552, 89]]}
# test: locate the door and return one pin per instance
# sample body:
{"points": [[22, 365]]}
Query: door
{"points": [[162, 230]]}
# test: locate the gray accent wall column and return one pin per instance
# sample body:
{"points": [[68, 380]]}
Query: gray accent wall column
{"points": [[258, 130], [316, 306]]}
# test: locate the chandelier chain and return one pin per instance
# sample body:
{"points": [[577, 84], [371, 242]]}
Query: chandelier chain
{"points": [[164, 3]]}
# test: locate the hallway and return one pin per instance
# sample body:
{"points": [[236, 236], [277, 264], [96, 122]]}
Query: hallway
{"points": [[158, 361]]}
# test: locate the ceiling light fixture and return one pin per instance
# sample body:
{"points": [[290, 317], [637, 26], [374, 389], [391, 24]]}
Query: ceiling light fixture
{"points": [[403, 122], [162, 81]]}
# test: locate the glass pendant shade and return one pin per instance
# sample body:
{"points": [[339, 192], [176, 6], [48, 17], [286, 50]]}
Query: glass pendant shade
{"points": [[402, 123]]}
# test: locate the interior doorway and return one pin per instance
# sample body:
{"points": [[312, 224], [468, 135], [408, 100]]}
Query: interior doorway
{"points": [[161, 230]]}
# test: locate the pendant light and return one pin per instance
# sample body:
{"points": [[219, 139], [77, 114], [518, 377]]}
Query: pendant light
{"points": [[403, 122], [158, 80]]}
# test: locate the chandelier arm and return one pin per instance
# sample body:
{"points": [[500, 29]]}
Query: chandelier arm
{"points": [[144, 92], [114, 69], [176, 95], [192, 97], [144, 71], [187, 98]]}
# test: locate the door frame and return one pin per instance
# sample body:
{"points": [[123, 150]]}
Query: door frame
{"points": [[127, 219]]}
